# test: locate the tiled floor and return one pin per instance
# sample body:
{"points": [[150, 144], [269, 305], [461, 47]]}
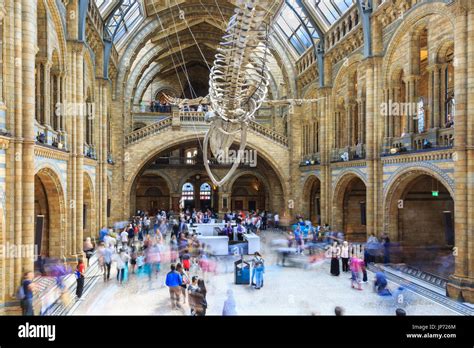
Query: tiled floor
{"points": [[287, 291]]}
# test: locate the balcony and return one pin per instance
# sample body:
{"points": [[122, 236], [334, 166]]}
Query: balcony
{"points": [[350, 153], [311, 160], [48, 137], [90, 151], [436, 139]]}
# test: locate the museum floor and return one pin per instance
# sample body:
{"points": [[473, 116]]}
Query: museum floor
{"points": [[286, 291]]}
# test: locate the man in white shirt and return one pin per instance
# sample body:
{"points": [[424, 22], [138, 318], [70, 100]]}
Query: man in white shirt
{"points": [[124, 237], [276, 219]]}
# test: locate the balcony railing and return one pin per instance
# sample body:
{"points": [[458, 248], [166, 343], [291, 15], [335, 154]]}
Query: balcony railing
{"points": [[311, 159], [434, 139], [90, 151], [49, 137], [351, 153]]}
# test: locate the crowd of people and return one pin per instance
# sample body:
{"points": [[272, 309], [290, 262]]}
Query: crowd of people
{"points": [[146, 245]]}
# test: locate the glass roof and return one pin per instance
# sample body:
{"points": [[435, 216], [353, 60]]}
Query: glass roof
{"points": [[125, 17], [329, 11], [293, 29]]}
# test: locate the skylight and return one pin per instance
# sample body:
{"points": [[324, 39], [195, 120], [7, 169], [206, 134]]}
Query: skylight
{"points": [[330, 10], [294, 29], [124, 19]]}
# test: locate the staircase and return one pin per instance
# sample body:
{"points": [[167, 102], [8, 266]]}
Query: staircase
{"points": [[50, 300], [193, 119]]}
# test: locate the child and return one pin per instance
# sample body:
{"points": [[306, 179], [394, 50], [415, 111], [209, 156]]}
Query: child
{"points": [[186, 260]]}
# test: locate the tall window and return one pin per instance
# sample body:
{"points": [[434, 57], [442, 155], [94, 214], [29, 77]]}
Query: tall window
{"points": [[205, 192], [187, 192]]}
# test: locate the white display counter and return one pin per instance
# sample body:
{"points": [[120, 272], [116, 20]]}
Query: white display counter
{"points": [[253, 242], [219, 245], [206, 229]]}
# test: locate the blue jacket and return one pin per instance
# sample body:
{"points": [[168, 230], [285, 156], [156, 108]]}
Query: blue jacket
{"points": [[173, 278]]}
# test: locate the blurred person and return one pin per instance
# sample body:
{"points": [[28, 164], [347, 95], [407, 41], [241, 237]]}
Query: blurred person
{"points": [[339, 311], [276, 221], [259, 271], [173, 249], [122, 263], [257, 258], [201, 304], [355, 267], [105, 260], [335, 253], [345, 256], [380, 284], [185, 278], [186, 260], [26, 294], [173, 282], [192, 289], [88, 249], [229, 304], [400, 312]]}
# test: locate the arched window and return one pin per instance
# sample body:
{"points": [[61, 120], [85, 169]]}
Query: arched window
{"points": [[205, 192], [187, 192]]}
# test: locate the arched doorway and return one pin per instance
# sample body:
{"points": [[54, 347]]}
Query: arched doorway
{"points": [[350, 208], [49, 215], [187, 196], [312, 200], [89, 216], [248, 193], [421, 220], [152, 194]]}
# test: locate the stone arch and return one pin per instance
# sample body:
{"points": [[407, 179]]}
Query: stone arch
{"points": [[347, 67], [162, 202], [140, 163], [442, 50], [50, 203], [311, 198], [420, 245], [257, 175], [407, 24], [398, 181], [339, 214]]}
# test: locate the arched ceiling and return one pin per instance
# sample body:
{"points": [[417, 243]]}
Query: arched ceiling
{"points": [[165, 37]]}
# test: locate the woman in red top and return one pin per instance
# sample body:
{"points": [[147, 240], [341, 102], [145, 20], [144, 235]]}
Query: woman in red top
{"points": [[80, 273]]}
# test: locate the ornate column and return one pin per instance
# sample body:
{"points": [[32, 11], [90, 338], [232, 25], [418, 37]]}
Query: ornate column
{"points": [[29, 9], [461, 283], [436, 99], [79, 66], [47, 92], [18, 140]]}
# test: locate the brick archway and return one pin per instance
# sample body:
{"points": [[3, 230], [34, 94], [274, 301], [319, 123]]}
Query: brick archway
{"points": [[50, 211], [348, 206], [311, 199]]}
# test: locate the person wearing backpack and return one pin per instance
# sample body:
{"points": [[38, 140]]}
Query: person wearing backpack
{"points": [[25, 294]]}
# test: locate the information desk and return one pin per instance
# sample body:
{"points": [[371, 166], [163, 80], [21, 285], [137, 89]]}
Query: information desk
{"points": [[253, 241], [219, 245], [205, 229]]}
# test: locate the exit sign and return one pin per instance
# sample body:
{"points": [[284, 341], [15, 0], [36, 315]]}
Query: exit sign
{"points": [[435, 193]]}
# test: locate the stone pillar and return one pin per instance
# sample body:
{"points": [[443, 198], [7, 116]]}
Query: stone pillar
{"points": [[325, 138], [461, 283], [18, 140], [436, 100], [47, 92], [79, 67], [28, 104]]}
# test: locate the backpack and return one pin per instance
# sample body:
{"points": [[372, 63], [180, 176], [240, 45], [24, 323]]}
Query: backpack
{"points": [[20, 294]]}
